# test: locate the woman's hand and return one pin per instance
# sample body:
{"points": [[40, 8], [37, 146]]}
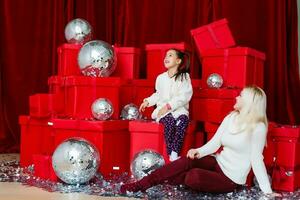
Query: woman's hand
{"points": [[143, 106], [162, 111], [273, 195], [193, 153]]}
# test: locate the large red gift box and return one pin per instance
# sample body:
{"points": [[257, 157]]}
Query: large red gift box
{"points": [[213, 35], [286, 179], [45, 105], [212, 105], [150, 135], [43, 167], [239, 67], [68, 59], [155, 54], [36, 138], [128, 62], [110, 137], [82, 91]]}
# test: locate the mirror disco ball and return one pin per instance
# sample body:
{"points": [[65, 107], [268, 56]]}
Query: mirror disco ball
{"points": [[130, 112], [97, 59], [145, 162], [75, 161], [102, 109], [214, 81], [78, 31]]}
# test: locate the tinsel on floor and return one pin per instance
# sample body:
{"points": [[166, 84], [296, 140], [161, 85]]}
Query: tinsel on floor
{"points": [[10, 171]]}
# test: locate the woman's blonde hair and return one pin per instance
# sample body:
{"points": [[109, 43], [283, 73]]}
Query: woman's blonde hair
{"points": [[254, 107]]}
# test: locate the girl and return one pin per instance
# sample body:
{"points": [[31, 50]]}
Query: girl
{"points": [[242, 135], [172, 96]]}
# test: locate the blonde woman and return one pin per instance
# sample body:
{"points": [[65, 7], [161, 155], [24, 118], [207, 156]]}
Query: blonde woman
{"points": [[242, 134]]}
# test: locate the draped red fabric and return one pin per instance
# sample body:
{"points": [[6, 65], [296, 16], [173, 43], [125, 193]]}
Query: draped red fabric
{"points": [[32, 30]]}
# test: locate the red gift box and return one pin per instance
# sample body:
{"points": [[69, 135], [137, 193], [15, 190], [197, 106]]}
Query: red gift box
{"points": [[199, 139], [43, 167], [212, 36], [143, 88], [150, 135], [36, 138], [45, 105], [286, 179], [286, 146], [128, 62], [68, 59], [110, 137], [239, 67], [82, 91], [155, 54], [212, 105]]}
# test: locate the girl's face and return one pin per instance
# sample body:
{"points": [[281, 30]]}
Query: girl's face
{"points": [[171, 60]]}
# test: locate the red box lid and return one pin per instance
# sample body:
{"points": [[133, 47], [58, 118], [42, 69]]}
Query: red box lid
{"points": [[131, 50], [180, 46], [64, 123], [90, 81], [56, 80], [25, 120], [107, 125], [220, 93], [286, 131], [236, 51], [69, 46], [145, 126]]}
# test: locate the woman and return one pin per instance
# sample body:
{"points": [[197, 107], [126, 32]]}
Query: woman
{"points": [[242, 134]]}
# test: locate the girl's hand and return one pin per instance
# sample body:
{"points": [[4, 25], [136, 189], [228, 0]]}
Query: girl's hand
{"points": [[162, 111], [143, 106], [192, 154]]}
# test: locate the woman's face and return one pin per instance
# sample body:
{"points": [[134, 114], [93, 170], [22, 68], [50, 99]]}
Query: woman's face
{"points": [[171, 60], [239, 101]]}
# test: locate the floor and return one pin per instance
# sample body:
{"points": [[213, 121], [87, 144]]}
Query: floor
{"points": [[17, 191]]}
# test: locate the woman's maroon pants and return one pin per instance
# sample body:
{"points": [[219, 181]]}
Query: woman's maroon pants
{"points": [[203, 175]]}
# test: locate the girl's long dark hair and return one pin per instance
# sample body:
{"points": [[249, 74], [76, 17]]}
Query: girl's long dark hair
{"points": [[184, 67]]}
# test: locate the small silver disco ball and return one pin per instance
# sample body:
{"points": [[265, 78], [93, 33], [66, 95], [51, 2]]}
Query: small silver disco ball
{"points": [[97, 59], [75, 161], [214, 81], [102, 109], [145, 162], [130, 112], [78, 31]]}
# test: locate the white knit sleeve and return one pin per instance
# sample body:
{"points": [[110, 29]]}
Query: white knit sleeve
{"points": [[258, 140], [215, 142]]}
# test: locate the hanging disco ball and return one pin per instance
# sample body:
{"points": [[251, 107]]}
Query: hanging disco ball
{"points": [[145, 162], [130, 112], [102, 109], [97, 59], [78, 31], [75, 161], [214, 81]]}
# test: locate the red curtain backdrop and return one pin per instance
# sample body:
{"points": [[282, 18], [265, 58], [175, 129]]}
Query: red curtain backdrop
{"points": [[31, 31]]}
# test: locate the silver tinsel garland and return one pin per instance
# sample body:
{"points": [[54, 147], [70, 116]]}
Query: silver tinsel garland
{"points": [[12, 172]]}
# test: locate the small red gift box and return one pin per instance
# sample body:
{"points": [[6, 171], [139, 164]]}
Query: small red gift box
{"points": [[45, 105], [128, 62], [82, 91], [155, 54], [212, 105], [212, 36], [68, 59], [36, 138], [110, 137], [239, 67], [43, 167], [150, 135]]}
